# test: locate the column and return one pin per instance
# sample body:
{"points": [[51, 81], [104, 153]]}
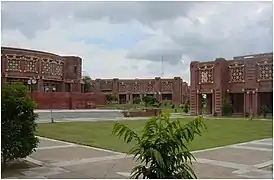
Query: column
{"points": [[255, 103], [199, 103], [40, 85]]}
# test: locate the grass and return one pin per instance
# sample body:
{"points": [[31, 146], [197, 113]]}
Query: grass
{"points": [[99, 134]]}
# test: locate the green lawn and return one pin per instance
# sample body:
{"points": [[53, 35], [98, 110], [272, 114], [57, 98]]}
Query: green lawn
{"points": [[98, 134]]}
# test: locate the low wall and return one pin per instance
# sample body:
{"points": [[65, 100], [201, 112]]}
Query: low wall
{"points": [[67, 100], [142, 113]]}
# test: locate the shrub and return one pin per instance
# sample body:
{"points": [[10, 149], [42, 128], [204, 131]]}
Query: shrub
{"points": [[136, 100], [150, 101], [18, 123], [162, 147], [226, 108], [109, 97], [186, 107], [264, 110]]}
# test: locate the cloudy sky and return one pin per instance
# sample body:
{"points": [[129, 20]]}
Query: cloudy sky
{"points": [[129, 39]]}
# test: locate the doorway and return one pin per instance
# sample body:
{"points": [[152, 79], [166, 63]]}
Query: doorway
{"points": [[206, 104], [237, 101]]}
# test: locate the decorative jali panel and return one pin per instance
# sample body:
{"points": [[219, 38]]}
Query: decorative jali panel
{"points": [[136, 87], [206, 74], [166, 86], [13, 64], [122, 87], [46, 66], [265, 70], [149, 87], [57, 68], [236, 71], [106, 85], [31, 66]]}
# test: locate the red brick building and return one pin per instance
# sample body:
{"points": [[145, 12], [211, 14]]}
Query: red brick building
{"points": [[125, 90], [50, 72], [245, 81]]}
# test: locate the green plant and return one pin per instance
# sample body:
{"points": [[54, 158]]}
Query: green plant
{"points": [[150, 101], [264, 110], [87, 83], [136, 100], [18, 123], [226, 108], [186, 107], [110, 98], [162, 147]]}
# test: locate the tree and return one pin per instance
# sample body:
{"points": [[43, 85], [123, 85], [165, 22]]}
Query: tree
{"points": [[87, 83], [150, 101], [18, 123], [162, 147]]}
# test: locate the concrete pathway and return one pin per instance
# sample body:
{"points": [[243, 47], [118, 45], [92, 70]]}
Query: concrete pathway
{"points": [[99, 115], [58, 159]]}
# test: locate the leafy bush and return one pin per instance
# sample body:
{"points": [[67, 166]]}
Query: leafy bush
{"points": [[87, 83], [136, 100], [18, 123], [109, 97], [186, 107], [162, 147], [150, 101], [226, 108], [264, 110]]}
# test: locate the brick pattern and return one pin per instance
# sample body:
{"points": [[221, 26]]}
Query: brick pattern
{"points": [[157, 86], [64, 100], [13, 64], [236, 72], [166, 86], [248, 75], [63, 72], [266, 72]]}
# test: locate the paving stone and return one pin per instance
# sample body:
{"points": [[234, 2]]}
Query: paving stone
{"points": [[258, 175], [205, 171], [258, 145], [49, 143], [69, 175], [68, 153], [240, 156], [105, 169]]}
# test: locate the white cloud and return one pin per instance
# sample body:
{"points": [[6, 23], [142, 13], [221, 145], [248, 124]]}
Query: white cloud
{"points": [[128, 39]]}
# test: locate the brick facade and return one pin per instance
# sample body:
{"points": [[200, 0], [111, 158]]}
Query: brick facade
{"points": [[242, 81], [49, 70], [126, 89], [67, 100], [61, 74]]}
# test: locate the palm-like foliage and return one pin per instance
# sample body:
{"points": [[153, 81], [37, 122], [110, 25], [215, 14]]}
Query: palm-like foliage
{"points": [[162, 147]]}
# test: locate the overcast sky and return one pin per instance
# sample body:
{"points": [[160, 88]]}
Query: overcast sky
{"points": [[129, 39]]}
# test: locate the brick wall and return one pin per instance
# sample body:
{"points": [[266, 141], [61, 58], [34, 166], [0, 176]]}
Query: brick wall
{"points": [[157, 86], [66, 100]]}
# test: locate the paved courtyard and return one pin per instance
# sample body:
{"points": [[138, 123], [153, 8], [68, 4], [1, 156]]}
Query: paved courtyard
{"points": [[59, 159]]}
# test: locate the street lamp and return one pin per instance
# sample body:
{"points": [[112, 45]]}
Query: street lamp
{"points": [[51, 89], [32, 81]]}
